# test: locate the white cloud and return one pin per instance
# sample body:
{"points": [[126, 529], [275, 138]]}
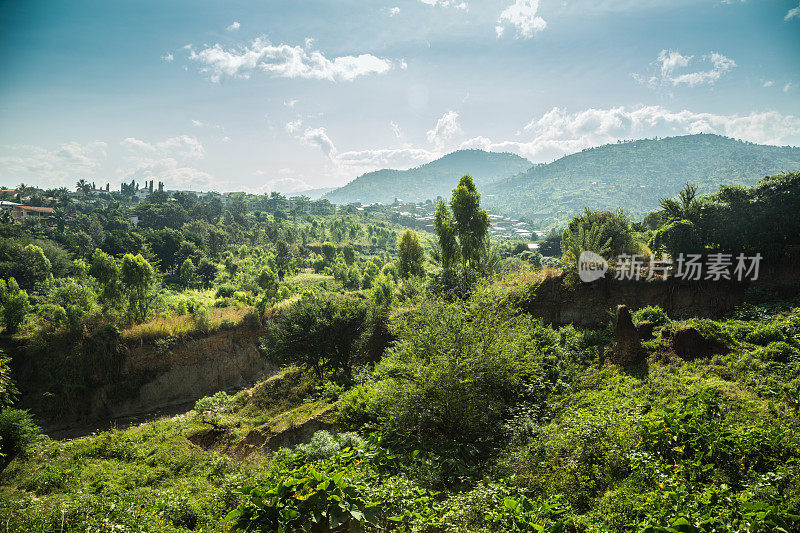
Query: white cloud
{"points": [[171, 172], [233, 27], [446, 3], [668, 61], [793, 13], [387, 158], [284, 61], [182, 145], [318, 137], [395, 129], [48, 167], [350, 163], [394, 11], [169, 161], [287, 185], [290, 103], [446, 128], [787, 87], [294, 126], [226, 139], [197, 123], [522, 16], [558, 132], [167, 57], [768, 83]]}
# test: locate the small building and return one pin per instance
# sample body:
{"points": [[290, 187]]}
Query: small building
{"points": [[21, 212]]}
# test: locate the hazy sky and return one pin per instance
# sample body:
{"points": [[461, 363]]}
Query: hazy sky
{"points": [[287, 95]]}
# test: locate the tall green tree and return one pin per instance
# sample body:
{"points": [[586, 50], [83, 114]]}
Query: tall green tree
{"points": [[207, 270], [446, 233], [14, 304], [138, 277], [37, 266], [411, 256], [105, 270], [471, 222], [187, 273]]}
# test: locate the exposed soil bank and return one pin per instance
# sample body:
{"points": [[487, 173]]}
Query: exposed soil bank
{"points": [[151, 382], [592, 304]]}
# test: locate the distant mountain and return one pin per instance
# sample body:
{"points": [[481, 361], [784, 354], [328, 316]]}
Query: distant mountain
{"points": [[634, 175], [313, 194], [426, 182]]}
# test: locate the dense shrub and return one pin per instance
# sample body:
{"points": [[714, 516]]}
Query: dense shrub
{"points": [[766, 334], [324, 445], [651, 313], [17, 431], [323, 332], [454, 374]]}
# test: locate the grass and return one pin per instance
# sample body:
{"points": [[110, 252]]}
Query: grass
{"points": [[178, 326], [150, 477], [580, 441], [308, 280]]}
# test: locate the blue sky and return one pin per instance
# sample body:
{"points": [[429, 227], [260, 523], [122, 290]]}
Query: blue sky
{"points": [[287, 95]]}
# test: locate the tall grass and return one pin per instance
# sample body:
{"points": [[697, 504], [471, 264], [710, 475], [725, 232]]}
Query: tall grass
{"points": [[186, 325]]}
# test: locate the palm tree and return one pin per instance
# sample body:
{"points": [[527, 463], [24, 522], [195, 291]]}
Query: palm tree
{"points": [[685, 208], [83, 186]]}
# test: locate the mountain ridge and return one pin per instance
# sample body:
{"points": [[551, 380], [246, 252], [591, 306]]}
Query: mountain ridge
{"points": [[426, 182], [634, 175]]}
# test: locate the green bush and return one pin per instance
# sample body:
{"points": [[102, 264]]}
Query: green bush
{"points": [[651, 313], [322, 332], [454, 373], [309, 498], [225, 291], [355, 406], [779, 352], [14, 303], [212, 404], [766, 334], [17, 432], [324, 445]]}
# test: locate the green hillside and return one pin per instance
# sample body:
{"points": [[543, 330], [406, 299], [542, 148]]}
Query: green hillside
{"points": [[634, 175], [430, 180]]}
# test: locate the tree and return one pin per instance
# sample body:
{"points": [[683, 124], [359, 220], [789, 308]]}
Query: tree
{"points": [[471, 222], [382, 291], [685, 208], [83, 186], [207, 271], [283, 256], [17, 432], [614, 225], [8, 390], [349, 254], [551, 244], [328, 252], [14, 303], [36, 265], [138, 277], [268, 282], [446, 233], [676, 237], [187, 273], [411, 257], [322, 332], [105, 269], [581, 239]]}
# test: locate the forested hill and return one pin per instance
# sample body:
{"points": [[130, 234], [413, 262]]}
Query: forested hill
{"points": [[428, 181], [634, 175]]}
